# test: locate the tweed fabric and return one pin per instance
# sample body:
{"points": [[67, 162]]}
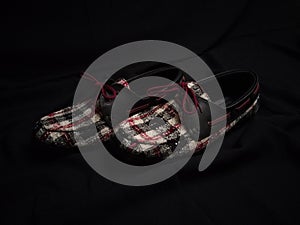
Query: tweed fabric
{"points": [[139, 134]]}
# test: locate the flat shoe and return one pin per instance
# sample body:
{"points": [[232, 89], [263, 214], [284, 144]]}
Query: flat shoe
{"points": [[145, 142]]}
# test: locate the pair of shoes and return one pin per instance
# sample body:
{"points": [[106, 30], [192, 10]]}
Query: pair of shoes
{"points": [[145, 140]]}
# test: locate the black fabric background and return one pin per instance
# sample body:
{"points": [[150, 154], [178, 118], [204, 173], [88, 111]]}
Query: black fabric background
{"points": [[255, 178]]}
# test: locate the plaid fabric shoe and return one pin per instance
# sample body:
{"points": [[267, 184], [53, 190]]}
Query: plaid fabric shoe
{"points": [[144, 139]]}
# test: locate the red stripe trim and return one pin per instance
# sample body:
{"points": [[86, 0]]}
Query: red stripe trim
{"points": [[219, 119], [242, 105], [256, 89]]}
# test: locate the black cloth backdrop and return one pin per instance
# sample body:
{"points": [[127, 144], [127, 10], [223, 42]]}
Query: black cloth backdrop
{"points": [[44, 48]]}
